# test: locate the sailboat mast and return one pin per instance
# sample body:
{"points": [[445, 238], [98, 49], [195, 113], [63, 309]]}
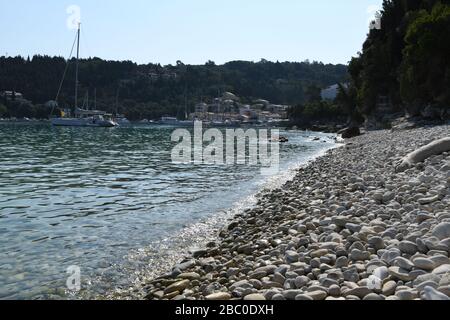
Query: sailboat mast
{"points": [[77, 63]]}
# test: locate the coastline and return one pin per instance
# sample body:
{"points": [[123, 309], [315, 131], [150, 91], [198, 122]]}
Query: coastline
{"points": [[345, 217], [159, 257]]}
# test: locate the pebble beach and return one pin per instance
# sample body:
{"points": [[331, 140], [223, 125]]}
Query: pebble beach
{"points": [[347, 227]]}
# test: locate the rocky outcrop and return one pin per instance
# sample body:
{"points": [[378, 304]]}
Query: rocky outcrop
{"points": [[350, 132]]}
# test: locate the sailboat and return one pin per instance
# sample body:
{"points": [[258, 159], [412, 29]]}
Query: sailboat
{"points": [[82, 117]]}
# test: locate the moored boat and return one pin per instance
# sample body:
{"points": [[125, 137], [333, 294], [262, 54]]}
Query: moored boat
{"points": [[82, 117]]}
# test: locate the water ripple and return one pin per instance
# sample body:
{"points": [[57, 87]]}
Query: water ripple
{"points": [[89, 197]]}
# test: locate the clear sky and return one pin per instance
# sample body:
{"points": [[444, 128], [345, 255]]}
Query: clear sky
{"points": [[192, 31]]}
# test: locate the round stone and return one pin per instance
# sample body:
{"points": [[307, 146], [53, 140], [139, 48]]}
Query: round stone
{"points": [[408, 247], [403, 263], [442, 230], [424, 264], [373, 296], [407, 295], [304, 297], [254, 297], [432, 294], [220, 296], [389, 288]]}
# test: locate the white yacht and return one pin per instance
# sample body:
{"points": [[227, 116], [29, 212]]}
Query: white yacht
{"points": [[86, 118], [82, 117]]}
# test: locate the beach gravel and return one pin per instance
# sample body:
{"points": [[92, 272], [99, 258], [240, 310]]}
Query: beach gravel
{"points": [[348, 226]]}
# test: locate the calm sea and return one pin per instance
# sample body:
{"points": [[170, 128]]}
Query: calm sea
{"points": [[111, 202]]}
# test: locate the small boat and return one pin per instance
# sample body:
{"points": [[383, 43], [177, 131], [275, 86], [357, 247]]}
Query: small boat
{"points": [[82, 117], [169, 121], [86, 118], [122, 120]]}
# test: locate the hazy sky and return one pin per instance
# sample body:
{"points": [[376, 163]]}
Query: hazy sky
{"points": [[192, 31]]}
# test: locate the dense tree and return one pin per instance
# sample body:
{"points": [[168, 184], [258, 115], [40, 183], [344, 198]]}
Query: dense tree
{"points": [[3, 111], [407, 59], [151, 91], [425, 71]]}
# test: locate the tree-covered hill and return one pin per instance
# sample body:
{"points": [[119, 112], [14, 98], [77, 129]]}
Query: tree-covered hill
{"points": [[150, 91]]}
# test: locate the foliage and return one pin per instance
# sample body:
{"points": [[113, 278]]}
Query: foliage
{"points": [[425, 69], [151, 91], [3, 110], [407, 60], [316, 111]]}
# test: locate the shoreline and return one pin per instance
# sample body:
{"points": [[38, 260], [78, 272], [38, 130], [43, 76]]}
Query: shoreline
{"points": [[161, 255], [345, 217]]}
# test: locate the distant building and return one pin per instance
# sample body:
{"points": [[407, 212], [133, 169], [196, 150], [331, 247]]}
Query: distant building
{"points": [[201, 108], [11, 95]]}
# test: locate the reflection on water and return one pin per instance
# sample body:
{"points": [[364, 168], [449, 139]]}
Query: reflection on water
{"points": [[89, 196]]}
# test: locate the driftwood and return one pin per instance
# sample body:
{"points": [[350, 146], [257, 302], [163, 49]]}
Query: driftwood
{"points": [[420, 155]]}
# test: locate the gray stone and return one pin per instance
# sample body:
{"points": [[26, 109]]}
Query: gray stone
{"points": [[177, 286], [359, 292], [373, 297], [442, 231], [291, 294], [403, 263], [358, 255], [444, 269], [422, 286], [219, 296], [431, 293], [341, 262], [278, 277], [334, 291], [317, 295], [390, 255], [301, 281], [244, 284], [389, 288], [377, 243], [407, 294], [424, 263], [304, 297], [351, 275], [444, 289], [353, 227], [381, 273], [399, 273], [292, 256], [408, 247], [254, 297]]}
